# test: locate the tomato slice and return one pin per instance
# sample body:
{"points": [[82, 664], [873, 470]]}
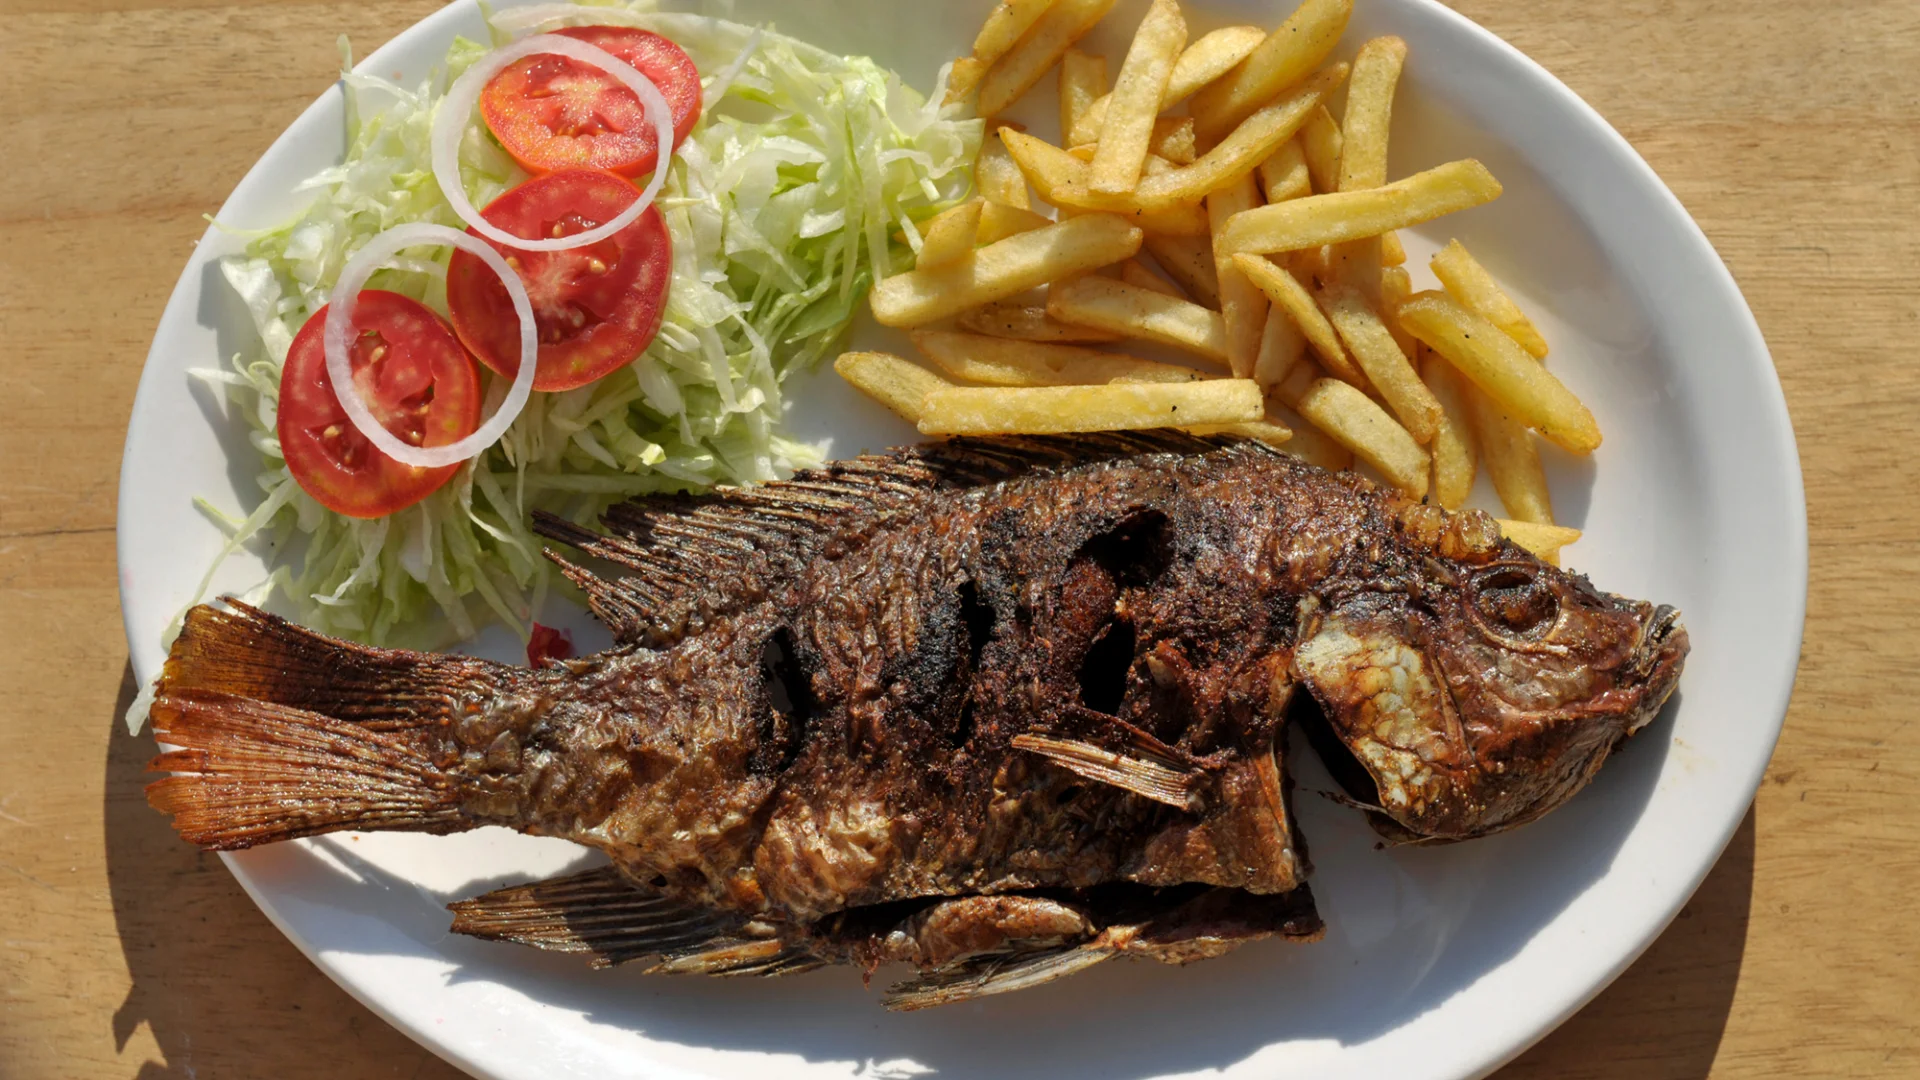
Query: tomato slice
{"points": [[597, 307], [551, 112], [414, 376]]}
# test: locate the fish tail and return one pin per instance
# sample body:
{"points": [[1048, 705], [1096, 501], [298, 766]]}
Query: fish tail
{"points": [[284, 733]]}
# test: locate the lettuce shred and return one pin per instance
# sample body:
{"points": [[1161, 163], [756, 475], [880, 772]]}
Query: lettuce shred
{"points": [[782, 206]]}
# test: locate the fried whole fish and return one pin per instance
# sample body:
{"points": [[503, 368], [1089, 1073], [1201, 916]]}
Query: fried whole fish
{"points": [[1001, 709]]}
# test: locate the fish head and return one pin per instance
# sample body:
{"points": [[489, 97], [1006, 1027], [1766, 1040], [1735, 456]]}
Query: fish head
{"points": [[1470, 687]]}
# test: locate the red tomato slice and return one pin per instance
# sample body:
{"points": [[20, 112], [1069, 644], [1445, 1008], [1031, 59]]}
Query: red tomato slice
{"points": [[413, 374], [597, 307], [551, 113]]}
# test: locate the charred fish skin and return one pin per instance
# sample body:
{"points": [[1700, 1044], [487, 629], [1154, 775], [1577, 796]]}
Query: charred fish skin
{"points": [[948, 706]]}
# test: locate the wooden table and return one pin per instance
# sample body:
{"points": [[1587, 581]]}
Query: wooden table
{"points": [[1791, 131]]}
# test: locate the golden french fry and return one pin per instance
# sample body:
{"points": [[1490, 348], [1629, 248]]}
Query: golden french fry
{"points": [[1309, 443], [1171, 143], [1352, 419], [1140, 313], [1396, 285], [1135, 100], [1454, 455], [1243, 306], [1295, 48], [1284, 174], [1001, 362], [993, 410], [1320, 145], [997, 176], [1139, 276], [1028, 322], [1468, 282], [1354, 215], [950, 234], [1054, 171], [1007, 268], [1058, 28], [1203, 61], [1357, 263], [999, 221], [1004, 27], [1267, 431], [1287, 294], [1188, 260], [964, 78], [1512, 459], [1363, 134], [1392, 251], [1083, 79], [1386, 367], [1282, 345], [1544, 541], [1497, 364], [1233, 157], [900, 385]]}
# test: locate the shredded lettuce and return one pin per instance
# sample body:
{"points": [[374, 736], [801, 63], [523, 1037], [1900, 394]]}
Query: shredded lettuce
{"points": [[782, 205]]}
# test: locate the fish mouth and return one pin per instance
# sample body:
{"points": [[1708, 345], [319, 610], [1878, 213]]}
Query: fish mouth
{"points": [[1661, 654]]}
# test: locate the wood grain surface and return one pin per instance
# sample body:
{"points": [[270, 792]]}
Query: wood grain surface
{"points": [[1790, 130]]}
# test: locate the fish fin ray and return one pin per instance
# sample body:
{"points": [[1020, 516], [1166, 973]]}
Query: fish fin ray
{"points": [[994, 973], [1161, 781], [252, 772], [681, 559], [736, 957], [598, 912]]}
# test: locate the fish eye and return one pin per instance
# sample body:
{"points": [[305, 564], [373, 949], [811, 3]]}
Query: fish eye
{"points": [[1513, 599]]}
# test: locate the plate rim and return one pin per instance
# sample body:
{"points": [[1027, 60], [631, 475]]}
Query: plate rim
{"points": [[1675, 217]]}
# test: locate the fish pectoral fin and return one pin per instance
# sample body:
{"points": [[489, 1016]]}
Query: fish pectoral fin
{"points": [[598, 912], [993, 973], [1164, 781], [732, 957]]}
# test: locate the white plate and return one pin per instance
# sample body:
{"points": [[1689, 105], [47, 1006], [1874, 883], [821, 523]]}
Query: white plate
{"points": [[1438, 963]]}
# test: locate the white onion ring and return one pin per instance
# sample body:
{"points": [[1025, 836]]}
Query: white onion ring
{"points": [[339, 327], [451, 122]]}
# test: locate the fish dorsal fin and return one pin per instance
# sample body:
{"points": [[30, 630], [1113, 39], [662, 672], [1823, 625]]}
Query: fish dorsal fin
{"points": [[693, 558]]}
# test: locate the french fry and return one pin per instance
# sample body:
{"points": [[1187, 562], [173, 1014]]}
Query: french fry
{"points": [[1242, 305], [1115, 306], [1135, 100], [1058, 28], [1544, 541], [1354, 215], [1212, 56], [1267, 431], [950, 235], [1028, 322], [1320, 145], [1171, 141], [1386, 367], [1003, 269], [1352, 419], [1392, 251], [1284, 174], [964, 78], [992, 410], [1233, 157], [1054, 171], [1455, 457], [997, 176], [1004, 27], [1308, 442], [1497, 364], [1512, 460], [1287, 294], [999, 221], [900, 385], [1296, 47], [1468, 282], [1188, 260], [1000, 362], [1396, 285], [1363, 132], [1083, 80], [1282, 345], [1357, 263], [1139, 276]]}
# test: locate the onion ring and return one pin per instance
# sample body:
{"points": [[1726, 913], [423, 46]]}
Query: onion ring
{"points": [[451, 122], [339, 327]]}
